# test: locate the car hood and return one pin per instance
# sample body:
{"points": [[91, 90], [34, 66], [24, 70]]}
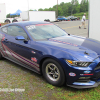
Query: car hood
{"points": [[84, 49]]}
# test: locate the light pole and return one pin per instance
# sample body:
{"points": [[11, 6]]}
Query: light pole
{"points": [[57, 9], [28, 9]]}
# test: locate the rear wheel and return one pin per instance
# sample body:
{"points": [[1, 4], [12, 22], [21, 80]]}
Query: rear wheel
{"points": [[0, 55], [7, 21], [53, 72]]}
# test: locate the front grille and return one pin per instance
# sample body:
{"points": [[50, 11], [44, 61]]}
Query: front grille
{"points": [[97, 67], [83, 81]]}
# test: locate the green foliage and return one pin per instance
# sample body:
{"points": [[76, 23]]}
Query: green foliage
{"points": [[81, 14], [50, 86], [14, 16], [40, 9], [65, 9], [32, 10], [71, 94], [70, 8], [8, 16]]}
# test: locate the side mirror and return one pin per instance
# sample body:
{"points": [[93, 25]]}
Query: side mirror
{"points": [[19, 38], [68, 34]]}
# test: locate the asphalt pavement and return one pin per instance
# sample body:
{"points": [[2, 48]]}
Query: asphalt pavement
{"points": [[72, 27]]}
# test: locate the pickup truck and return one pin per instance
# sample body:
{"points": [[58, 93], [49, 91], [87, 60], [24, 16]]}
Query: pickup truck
{"points": [[72, 18], [61, 18]]}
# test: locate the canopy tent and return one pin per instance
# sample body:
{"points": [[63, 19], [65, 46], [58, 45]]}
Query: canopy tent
{"points": [[16, 13]]}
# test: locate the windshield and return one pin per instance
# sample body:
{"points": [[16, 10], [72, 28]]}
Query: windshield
{"points": [[45, 31]]}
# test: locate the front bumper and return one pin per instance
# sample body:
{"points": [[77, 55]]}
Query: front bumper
{"points": [[84, 77], [90, 84]]}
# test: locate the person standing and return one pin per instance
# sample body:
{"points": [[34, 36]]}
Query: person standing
{"points": [[83, 21]]}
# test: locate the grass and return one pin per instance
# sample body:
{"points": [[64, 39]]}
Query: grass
{"points": [[71, 94], [36, 88]]}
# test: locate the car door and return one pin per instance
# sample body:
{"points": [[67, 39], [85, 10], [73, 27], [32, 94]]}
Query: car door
{"points": [[19, 50], [17, 47]]}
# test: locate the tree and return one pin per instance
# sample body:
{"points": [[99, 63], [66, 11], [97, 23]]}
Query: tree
{"points": [[30, 10], [75, 4], [84, 5], [9, 16], [40, 9], [66, 9], [46, 9], [60, 11]]}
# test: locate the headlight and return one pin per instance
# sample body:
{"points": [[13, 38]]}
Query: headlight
{"points": [[78, 63]]}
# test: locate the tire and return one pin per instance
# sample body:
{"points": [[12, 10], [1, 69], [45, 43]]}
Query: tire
{"points": [[14, 21], [75, 19], [58, 20], [0, 55], [7, 21], [53, 72]]}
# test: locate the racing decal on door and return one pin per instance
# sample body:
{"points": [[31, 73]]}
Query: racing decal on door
{"points": [[33, 52], [2, 49], [34, 59], [21, 58]]}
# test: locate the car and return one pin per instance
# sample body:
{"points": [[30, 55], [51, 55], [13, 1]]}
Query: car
{"points": [[68, 18], [61, 18], [72, 18], [48, 50]]}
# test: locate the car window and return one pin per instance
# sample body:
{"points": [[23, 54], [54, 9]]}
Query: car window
{"points": [[16, 31], [45, 31], [4, 29]]}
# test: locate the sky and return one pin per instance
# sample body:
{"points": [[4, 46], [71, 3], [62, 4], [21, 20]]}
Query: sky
{"points": [[13, 5]]}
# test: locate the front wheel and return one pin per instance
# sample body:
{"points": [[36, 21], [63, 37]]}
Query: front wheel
{"points": [[14, 21], [53, 72]]}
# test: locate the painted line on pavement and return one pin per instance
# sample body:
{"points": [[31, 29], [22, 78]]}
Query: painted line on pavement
{"points": [[72, 26]]}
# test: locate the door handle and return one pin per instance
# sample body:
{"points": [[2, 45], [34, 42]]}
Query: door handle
{"points": [[6, 40]]}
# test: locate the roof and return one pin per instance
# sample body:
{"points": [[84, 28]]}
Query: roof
{"points": [[26, 23]]}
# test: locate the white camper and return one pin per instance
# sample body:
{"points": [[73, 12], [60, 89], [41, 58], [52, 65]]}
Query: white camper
{"points": [[94, 16], [38, 15], [2, 12]]}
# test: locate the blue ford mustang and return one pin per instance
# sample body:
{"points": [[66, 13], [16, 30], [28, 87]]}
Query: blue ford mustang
{"points": [[46, 49]]}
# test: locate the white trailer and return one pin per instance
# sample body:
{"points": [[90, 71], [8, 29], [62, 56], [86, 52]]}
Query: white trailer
{"points": [[27, 15], [2, 12], [38, 15], [94, 19]]}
